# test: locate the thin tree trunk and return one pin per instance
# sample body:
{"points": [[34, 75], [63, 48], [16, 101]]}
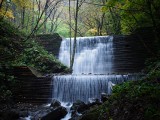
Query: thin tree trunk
{"points": [[70, 32], [32, 27], [37, 26], [75, 34], [27, 24], [46, 14], [1, 3], [101, 23], [54, 21], [22, 17]]}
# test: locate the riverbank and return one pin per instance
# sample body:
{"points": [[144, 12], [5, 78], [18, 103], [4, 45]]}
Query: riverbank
{"points": [[132, 100]]}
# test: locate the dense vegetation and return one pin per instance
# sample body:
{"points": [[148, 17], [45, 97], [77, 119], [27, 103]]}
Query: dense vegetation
{"points": [[16, 50], [95, 17]]}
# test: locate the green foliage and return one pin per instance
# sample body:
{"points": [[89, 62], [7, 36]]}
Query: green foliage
{"points": [[35, 56], [134, 13], [63, 30], [140, 99], [10, 42], [7, 84], [16, 51]]}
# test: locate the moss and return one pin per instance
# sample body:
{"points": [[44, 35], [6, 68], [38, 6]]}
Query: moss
{"points": [[135, 100], [15, 50], [93, 114]]}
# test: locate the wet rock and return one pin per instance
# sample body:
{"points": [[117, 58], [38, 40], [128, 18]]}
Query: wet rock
{"points": [[94, 101], [104, 97], [75, 117], [9, 115], [56, 114], [91, 114], [23, 113], [79, 107], [55, 103], [40, 113]]}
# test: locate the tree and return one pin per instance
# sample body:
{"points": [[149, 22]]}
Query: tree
{"points": [[78, 6], [75, 33], [70, 34], [135, 13], [41, 11], [32, 15]]}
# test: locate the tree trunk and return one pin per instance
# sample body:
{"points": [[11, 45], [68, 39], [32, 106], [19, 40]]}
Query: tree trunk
{"points": [[32, 27], [1, 3], [46, 14], [70, 33], [23, 17], [75, 34]]}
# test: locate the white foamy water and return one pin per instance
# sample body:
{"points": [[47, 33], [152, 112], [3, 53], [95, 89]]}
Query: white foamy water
{"points": [[93, 55], [67, 106], [69, 88], [94, 61]]}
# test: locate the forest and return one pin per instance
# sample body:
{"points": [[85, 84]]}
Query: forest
{"points": [[24, 22], [94, 17]]}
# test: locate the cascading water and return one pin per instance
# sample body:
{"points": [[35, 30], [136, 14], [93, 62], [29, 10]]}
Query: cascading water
{"points": [[69, 88], [93, 55], [92, 65]]}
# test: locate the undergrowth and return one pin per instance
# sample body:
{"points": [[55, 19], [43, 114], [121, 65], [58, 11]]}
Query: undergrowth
{"points": [[16, 50]]}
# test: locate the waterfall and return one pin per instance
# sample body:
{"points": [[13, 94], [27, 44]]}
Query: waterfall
{"points": [[93, 55], [92, 68], [69, 88]]}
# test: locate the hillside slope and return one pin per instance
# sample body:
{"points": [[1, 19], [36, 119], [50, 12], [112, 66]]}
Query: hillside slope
{"points": [[16, 50]]}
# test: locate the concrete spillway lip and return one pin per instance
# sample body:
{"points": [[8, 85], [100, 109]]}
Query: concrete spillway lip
{"points": [[108, 74]]}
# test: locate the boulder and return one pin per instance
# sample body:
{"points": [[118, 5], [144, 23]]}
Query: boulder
{"points": [[79, 107], [93, 101], [56, 114], [104, 97], [92, 114], [23, 113], [40, 113], [75, 117], [55, 103], [8, 115]]}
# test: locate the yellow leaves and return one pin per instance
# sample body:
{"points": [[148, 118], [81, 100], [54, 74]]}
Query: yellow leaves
{"points": [[93, 31], [7, 14], [19, 3], [23, 3], [118, 5], [104, 9]]}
